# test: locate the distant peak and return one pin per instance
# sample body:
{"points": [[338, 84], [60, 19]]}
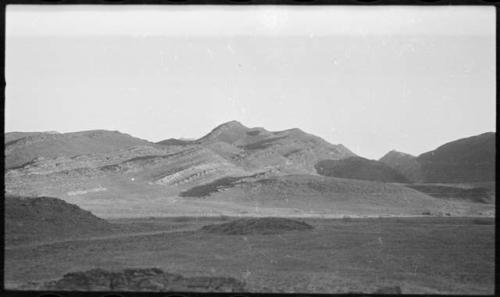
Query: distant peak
{"points": [[226, 132], [96, 132], [297, 130], [292, 130], [396, 153], [231, 124]]}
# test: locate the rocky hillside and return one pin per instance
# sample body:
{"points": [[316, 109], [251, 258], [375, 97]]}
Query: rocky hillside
{"points": [[72, 163], [114, 174], [290, 151], [359, 168], [44, 219], [142, 279], [303, 195]]}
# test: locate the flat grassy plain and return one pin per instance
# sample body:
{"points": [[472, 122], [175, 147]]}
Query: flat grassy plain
{"points": [[420, 255]]}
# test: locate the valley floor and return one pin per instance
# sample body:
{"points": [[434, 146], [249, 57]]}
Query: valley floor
{"points": [[445, 255]]}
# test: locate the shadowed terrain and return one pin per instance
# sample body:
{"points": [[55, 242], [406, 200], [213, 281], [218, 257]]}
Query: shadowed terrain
{"points": [[44, 218], [359, 168], [149, 280], [257, 226], [405, 164], [472, 194], [416, 255], [465, 160]]}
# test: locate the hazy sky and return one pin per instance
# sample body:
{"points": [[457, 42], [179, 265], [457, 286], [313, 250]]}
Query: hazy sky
{"points": [[371, 78]]}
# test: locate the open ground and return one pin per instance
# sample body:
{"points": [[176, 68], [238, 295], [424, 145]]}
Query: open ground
{"points": [[418, 255]]}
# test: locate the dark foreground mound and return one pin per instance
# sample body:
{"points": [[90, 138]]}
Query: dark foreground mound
{"points": [[45, 219], [150, 279], [212, 187], [257, 226]]}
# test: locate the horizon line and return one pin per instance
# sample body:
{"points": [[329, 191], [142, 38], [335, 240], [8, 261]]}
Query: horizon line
{"points": [[240, 123]]}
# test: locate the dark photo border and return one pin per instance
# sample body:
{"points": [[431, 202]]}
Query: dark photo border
{"points": [[13, 293]]}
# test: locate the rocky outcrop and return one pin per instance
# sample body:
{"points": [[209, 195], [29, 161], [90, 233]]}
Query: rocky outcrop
{"points": [[257, 226], [148, 279]]}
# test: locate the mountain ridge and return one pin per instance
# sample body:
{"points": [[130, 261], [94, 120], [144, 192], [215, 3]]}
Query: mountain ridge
{"points": [[115, 174], [468, 159]]}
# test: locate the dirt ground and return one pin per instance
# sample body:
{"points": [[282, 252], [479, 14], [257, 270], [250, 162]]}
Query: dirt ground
{"points": [[419, 255]]}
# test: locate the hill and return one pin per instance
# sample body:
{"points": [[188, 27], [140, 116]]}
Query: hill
{"points": [[23, 150], [12, 136], [232, 132], [457, 192], [405, 164], [290, 151], [470, 159], [174, 141], [262, 226], [466, 160], [304, 195], [46, 218], [359, 168]]}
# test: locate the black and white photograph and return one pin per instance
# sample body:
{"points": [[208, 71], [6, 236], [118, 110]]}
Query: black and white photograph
{"points": [[250, 149]]}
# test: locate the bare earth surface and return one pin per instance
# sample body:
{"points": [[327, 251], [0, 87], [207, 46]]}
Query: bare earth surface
{"points": [[418, 255], [245, 209]]}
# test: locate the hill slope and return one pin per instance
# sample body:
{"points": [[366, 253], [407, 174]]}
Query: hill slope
{"points": [[466, 160], [465, 193], [405, 164], [290, 151], [304, 195], [45, 218], [469, 159], [45, 145], [13, 136], [359, 168]]}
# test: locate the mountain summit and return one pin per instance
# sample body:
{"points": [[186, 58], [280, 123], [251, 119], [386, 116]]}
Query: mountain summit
{"points": [[292, 150], [404, 163], [228, 132]]}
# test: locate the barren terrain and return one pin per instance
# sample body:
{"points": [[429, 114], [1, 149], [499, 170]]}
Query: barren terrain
{"points": [[245, 209], [418, 255]]}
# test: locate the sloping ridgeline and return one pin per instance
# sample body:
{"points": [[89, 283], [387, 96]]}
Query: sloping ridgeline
{"points": [[359, 168]]}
